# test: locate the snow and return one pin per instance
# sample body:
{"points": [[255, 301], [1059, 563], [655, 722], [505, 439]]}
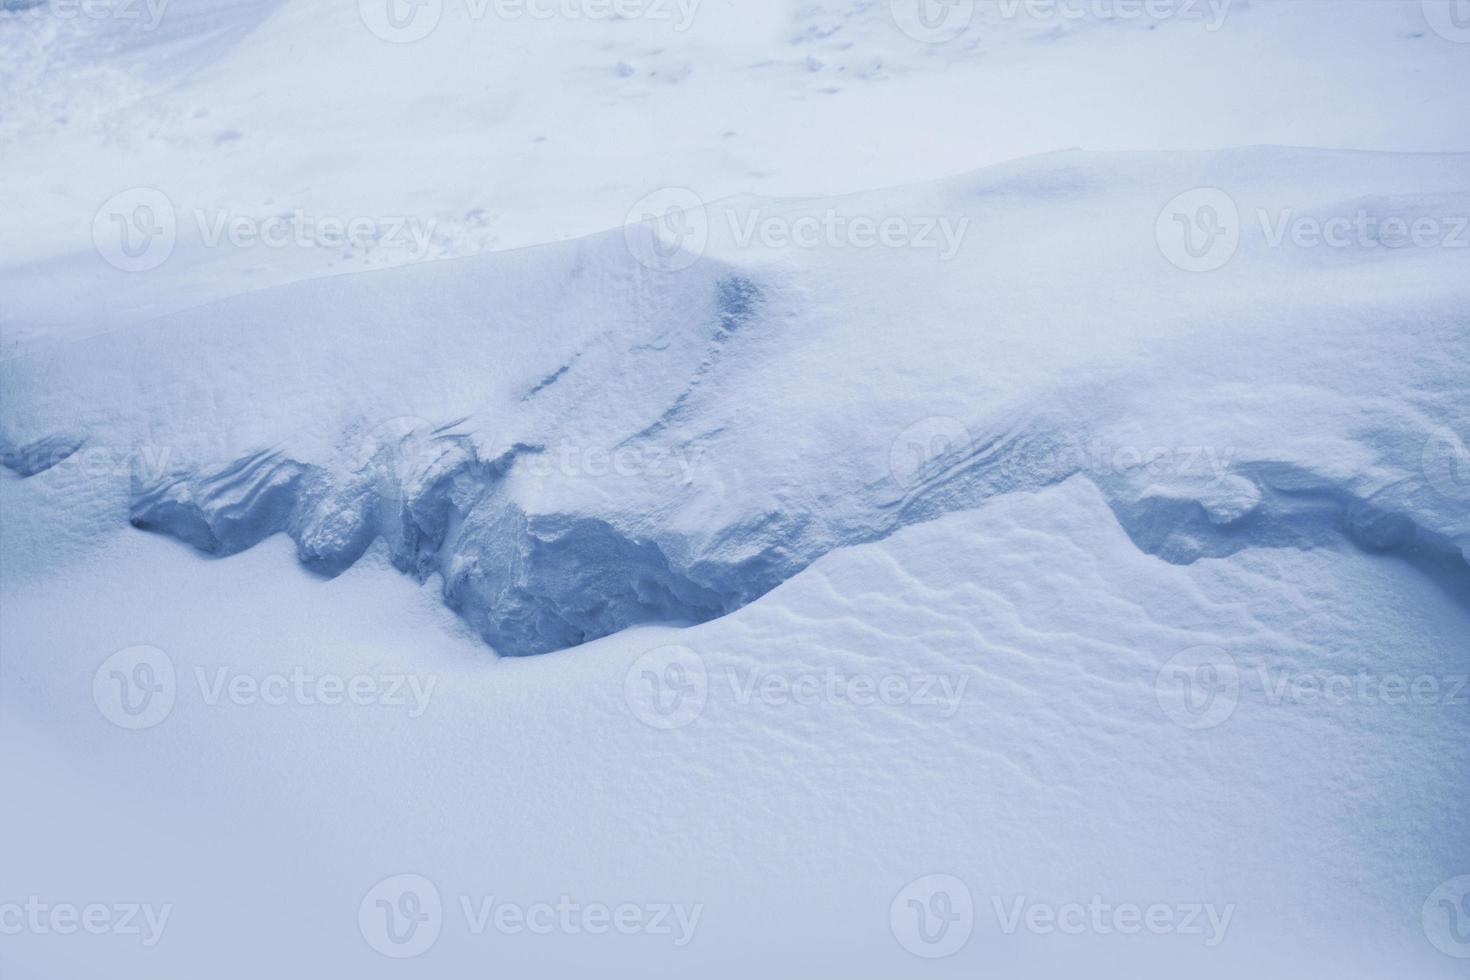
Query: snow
{"points": [[754, 476], [1058, 777], [609, 467], [482, 128]]}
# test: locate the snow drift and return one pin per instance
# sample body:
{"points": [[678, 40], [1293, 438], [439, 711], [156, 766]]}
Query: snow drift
{"points": [[555, 434]]}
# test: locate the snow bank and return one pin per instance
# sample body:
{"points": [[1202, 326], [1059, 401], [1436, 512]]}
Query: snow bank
{"points": [[566, 438]]}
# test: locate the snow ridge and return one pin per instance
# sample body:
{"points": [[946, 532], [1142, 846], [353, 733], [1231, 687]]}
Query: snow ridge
{"points": [[532, 583], [718, 382]]}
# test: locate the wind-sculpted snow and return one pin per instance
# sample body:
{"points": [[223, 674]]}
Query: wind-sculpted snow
{"points": [[536, 582], [971, 569], [528, 584], [665, 447]]}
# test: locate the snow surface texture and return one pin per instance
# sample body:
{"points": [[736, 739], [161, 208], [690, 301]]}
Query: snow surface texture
{"points": [[1100, 541], [580, 469], [1057, 777], [500, 133]]}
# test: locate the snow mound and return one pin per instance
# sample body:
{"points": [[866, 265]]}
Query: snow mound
{"points": [[573, 441]]}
